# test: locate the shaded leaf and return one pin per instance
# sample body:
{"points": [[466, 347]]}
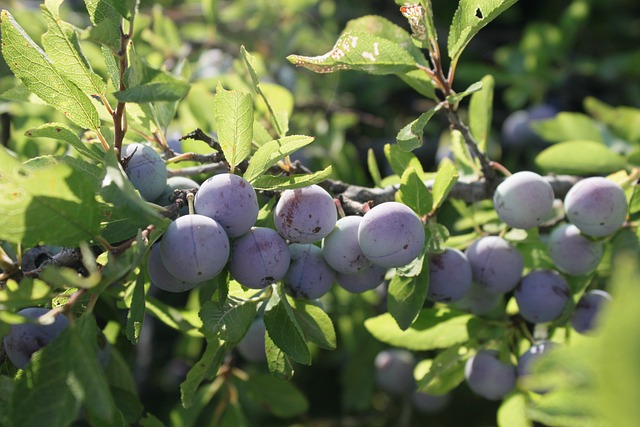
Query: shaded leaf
{"points": [[280, 398], [407, 295], [284, 330], [316, 325], [204, 369], [279, 363], [48, 199], [136, 303], [64, 133], [229, 322]]}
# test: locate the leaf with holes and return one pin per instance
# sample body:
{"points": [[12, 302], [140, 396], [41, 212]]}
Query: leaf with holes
{"points": [[360, 51], [470, 17]]}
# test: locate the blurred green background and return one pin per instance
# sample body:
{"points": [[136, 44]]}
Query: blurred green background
{"points": [[544, 52]]}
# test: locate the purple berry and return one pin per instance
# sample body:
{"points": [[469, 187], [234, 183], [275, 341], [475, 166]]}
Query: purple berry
{"points": [[449, 276], [496, 265], [542, 296], [230, 200], [305, 215], [391, 235], [523, 200], [259, 258], [597, 206]]}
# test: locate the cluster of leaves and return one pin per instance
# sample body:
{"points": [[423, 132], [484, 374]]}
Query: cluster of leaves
{"points": [[77, 195]]}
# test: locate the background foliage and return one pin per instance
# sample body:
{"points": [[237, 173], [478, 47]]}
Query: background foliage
{"points": [[581, 57]]}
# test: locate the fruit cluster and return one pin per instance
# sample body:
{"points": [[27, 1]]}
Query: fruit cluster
{"points": [[354, 251]]}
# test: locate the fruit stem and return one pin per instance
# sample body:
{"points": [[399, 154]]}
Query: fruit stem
{"points": [[190, 199], [541, 331]]}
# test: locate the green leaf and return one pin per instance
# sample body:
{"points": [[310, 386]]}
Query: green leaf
{"points": [[270, 153], [284, 329], [183, 320], [470, 17], [372, 165], [62, 132], [136, 303], [316, 325], [279, 118], [407, 295], [381, 27], [281, 398], [457, 97], [234, 118], [414, 193], [99, 10], [513, 412], [480, 112], [446, 371], [279, 183], [63, 48], [205, 369], [400, 160], [106, 33], [420, 82], [579, 158], [50, 200], [164, 87], [623, 121], [229, 322], [31, 65], [434, 328], [446, 178], [112, 65], [122, 384], [360, 51], [277, 360], [410, 137], [568, 127]]}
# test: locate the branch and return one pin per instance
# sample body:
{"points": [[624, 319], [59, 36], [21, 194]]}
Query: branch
{"points": [[354, 196]]}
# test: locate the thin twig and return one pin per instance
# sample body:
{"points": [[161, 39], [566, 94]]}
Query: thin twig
{"points": [[488, 172]]}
